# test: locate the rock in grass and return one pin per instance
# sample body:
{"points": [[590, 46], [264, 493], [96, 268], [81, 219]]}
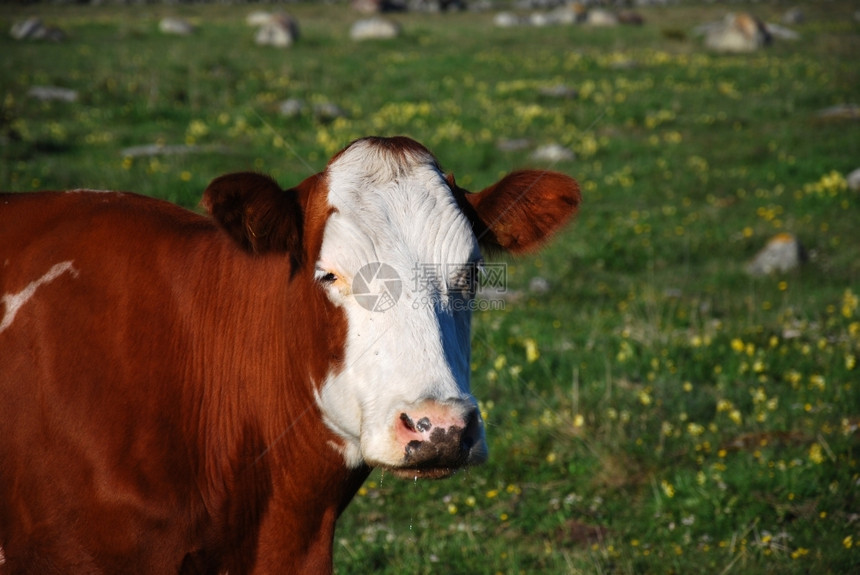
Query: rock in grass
{"points": [[292, 107], [552, 153], [778, 32], [35, 29], [569, 14], [559, 91], [600, 18], [52, 94], [374, 29], [176, 26], [782, 253], [149, 150], [281, 31], [328, 112], [324, 112], [853, 180], [506, 20], [840, 112], [539, 285], [740, 32], [24, 29]]}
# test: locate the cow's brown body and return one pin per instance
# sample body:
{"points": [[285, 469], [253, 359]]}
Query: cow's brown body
{"points": [[165, 421], [161, 372]]}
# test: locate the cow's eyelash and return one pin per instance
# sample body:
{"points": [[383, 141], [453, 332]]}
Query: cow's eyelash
{"points": [[325, 277]]}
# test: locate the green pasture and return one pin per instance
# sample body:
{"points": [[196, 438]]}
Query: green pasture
{"points": [[657, 410]]}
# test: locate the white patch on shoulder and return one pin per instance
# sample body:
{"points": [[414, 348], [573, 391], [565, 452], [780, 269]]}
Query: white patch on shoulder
{"points": [[14, 301]]}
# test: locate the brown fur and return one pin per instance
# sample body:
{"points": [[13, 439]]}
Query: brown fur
{"points": [[156, 404], [157, 409]]}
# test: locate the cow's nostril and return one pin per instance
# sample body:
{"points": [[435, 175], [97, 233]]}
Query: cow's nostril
{"points": [[407, 422], [423, 425]]}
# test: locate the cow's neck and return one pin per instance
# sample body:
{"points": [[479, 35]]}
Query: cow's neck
{"points": [[264, 410]]}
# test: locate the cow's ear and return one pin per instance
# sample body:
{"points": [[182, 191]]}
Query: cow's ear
{"points": [[521, 211], [254, 211]]}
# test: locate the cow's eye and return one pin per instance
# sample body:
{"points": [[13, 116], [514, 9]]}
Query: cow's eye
{"points": [[325, 277]]}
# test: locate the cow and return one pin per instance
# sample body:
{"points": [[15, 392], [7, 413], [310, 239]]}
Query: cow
{"points": [[204, 393]]}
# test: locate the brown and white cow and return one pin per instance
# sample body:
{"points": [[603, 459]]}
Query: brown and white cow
{"points": [[191, 394]]}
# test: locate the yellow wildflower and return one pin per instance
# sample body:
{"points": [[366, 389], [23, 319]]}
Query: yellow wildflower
{"points": [[815, 454], [532, 353]]}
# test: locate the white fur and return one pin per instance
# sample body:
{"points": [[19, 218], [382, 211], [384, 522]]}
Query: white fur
{"points": [[14, 301], [402, 214]]}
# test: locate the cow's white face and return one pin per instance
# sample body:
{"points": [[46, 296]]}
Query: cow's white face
{"points": [[400, 257]]}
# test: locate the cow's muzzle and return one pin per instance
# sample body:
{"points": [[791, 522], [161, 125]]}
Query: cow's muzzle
{"points": [[439, 438]]}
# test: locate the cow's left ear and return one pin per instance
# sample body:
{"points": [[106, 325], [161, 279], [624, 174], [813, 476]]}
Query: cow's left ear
{"points": [[521, 211], [254, 210]]}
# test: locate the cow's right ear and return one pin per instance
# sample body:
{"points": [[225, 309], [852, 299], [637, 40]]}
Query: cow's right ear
{"points": [[521, 211], [254, 211]]}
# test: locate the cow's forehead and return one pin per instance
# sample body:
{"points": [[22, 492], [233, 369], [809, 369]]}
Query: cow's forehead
{"points": [[394, 203]]}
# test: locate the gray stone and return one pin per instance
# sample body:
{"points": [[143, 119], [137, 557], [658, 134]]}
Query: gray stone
{"points": [[35, 29], [375, 28], [539, 285], [600, 18], [559, 91], [506, 20], [24, 29], [52, 94], [840, 112], [853, 180], [568, 14], [281, 31], [782, 253], [778, 32], [327, 112], [539, 19], [291, 108], [176, 26], [148, 150], [740, 32], [552, 153]]}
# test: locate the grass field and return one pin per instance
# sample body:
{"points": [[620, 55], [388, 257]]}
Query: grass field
{"points": [[657, 410]]}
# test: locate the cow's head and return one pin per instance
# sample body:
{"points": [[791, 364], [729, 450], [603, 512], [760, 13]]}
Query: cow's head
{"points": [[399, 253]]}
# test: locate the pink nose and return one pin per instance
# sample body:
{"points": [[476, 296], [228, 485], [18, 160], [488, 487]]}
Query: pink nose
{"points": [[437, 434]]}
